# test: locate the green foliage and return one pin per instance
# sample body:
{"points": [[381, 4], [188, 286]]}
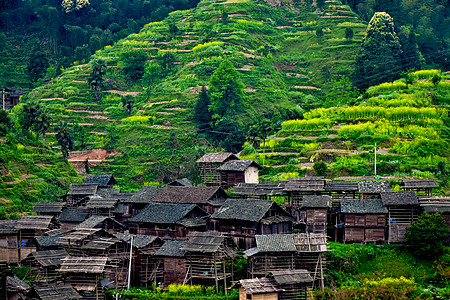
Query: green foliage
{"points": [[349, 33], [64, 138], [343, 93], [95, 78], [5, 123], [320, 167], [425, 236], [380, 53], [127, 103], [202, 115], [37, 64], [133, 63]]}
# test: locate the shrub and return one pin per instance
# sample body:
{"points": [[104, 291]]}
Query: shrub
{"points": [[320, 167]]}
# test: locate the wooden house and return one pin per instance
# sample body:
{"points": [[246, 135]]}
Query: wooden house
{"points": [[209, 256], [9, 239], [314, 213], [278, 252], [181, 182], [12, 96], [74, 241], [30, 227], [208, 164], [169, 263], [242, 219], [422, 187], [258, 289], [168, 220], [339, 190], [208, 198], [100, 206], [144, 247], [364, 220], [111, 247], [292, 283], [78, 193], [102, 180], [49, 208], [84, 274], [403, 209], [15, 289], [372, 189], [45, 263], [52, 292], [238, 171], [297, 187], [131, 206], [103, 222], [47, 242], [263, 190], [71, 217]]}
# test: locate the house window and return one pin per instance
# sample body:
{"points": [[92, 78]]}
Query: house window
{"points": [[249, 297]]}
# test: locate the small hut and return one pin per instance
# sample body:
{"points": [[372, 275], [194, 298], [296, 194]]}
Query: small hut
{"points": [[100, 206], [131, 206], [12, 96], [297, 187], [84, 274], [339, 190], [47, 242], [74, 241], [71, 217], [168, 220], [364, 220], [422, 187], [403, 209], [30, 227], [263, 190], [44, 263], [314, 212], [208, 198], [238, 171], [52, 292], [102, 180], [76, 196], [170, 263], [258, 289], [372, 189], [242, 219], [293, 283], [9, 238], [208, 164], [106, 223], [49, 208], [209, 257]]}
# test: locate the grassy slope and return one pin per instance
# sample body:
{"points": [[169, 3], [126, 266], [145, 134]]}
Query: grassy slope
{"points": [[299, 64]]}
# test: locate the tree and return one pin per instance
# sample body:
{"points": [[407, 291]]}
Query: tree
{"points": [[64, 138], [29, 116], [394, 8], [133, 63], [320, 167], [5, 123], [173, 29], [73, 5], [349, 34], [43, 122], [95, 78], [127, 103], [379, 59], [202, 115], [37, 64], [425, 236], [342, 93], [166, 61], [319, 33], [226, 92]]}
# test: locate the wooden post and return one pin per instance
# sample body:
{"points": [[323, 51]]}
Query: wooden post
{"points": [[321, 273], [215, 275], [225, 278], [190, 265]]}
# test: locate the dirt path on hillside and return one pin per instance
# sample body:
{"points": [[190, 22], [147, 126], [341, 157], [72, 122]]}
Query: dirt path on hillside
{"points": [[94, 157]]}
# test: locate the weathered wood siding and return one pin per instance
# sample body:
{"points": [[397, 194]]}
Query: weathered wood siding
{"points": [[174, 270], [243, 295]]}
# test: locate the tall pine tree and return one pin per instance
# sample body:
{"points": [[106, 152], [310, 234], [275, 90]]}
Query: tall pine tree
{"points": [[202, 115]]}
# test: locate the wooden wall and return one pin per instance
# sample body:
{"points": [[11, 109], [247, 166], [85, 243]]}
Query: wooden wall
{"points": [[243, 295], [365, 228], [174, 270]]}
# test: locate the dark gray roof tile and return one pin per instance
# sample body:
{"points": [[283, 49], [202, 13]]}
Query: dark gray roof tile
{"points": [[399, 198], [363, 206]]}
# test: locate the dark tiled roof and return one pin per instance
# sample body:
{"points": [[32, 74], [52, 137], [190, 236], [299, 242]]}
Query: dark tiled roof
{"points": [[48, 258], [305, 184], [189, 194], [243, 209], [341, 186], [145, 195], [434, 208], [139, 241], [94, 221], [164, 213], [399, 198], [34, 222], [362, 206], [181, 182], [8, 226], [238, 165], [287, 277], [100, 179], [102, 243], [81, 189], [60, 292], [172, 249], [99, 202], [80, 234], [48, 207], [75, 215], [17, 285], [217, 157], [48, 241], [259, 285], [275, 243], [204, 242], [418, 183], [93, 264], [263, 188], [113, 194], [316, 201], [373, 187]]}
